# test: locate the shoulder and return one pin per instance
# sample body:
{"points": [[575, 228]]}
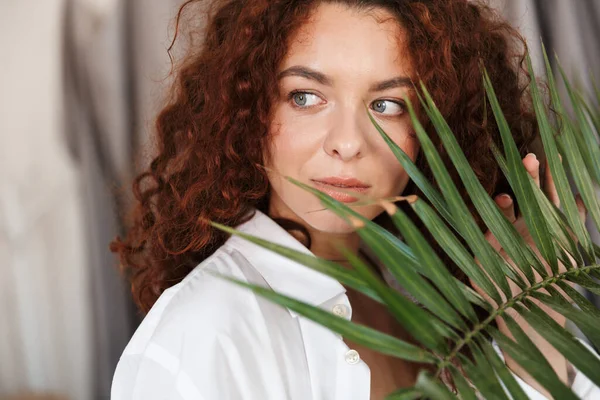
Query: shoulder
{"points": [[201, 306], [197, 331], [206, 329]]}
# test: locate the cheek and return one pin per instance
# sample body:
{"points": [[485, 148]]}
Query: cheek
{"points": [[284, 152], [294, 140], [394, 173], [394, 178], [288, 154]]}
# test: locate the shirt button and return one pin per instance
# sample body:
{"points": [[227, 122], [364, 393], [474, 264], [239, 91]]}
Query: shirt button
{"points": [[340, 310], [352, 357]]}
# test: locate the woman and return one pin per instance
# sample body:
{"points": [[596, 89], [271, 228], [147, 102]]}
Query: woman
{"points": [[278, 89]]}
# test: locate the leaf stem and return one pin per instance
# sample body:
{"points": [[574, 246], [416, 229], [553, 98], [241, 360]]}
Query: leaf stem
{"points": [[446, 361]]}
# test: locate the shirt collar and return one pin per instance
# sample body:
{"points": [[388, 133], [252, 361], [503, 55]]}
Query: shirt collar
{"points": [[282, 274]]}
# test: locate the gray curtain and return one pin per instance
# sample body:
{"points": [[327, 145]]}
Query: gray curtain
{"points": [[571, 30], [115, 67], [45, 330], [97, 132], [79, 94], [120, 65]]}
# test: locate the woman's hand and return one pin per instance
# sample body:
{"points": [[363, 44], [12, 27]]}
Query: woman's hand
{"points": [[505, 203]]}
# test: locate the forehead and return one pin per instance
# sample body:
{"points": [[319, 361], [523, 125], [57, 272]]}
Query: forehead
{"points": [[338, 38]]}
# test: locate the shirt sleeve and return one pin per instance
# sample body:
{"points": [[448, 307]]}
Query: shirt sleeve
{"points": [[142, 376], [204, 339], [218, 373], [582, 386]]}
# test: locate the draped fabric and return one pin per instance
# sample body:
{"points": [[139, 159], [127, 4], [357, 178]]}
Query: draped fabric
{"points": [[571, 30], [45, 330], [67, 144], [97, 133], [81, 81], [115, 68]]}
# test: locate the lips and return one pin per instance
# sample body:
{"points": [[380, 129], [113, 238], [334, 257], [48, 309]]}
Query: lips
{"points": [[336, 183], [341, 182], [340, 186]]}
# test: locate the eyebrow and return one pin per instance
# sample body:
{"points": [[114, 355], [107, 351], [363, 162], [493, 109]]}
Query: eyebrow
{"points": [[309, 73], [399, 81]]}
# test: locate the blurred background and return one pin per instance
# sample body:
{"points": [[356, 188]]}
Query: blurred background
{"points": [[80, 84]]}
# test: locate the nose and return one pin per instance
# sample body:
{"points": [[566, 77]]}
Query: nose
{"points": [[346, 138]]}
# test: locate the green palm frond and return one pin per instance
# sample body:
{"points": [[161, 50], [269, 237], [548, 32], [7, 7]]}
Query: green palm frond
{"points": [[445, 324]]}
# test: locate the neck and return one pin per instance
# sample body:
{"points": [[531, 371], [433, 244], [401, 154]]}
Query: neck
{"points": [[323, 244]]}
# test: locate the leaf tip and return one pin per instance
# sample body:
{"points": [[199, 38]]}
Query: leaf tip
{"points": [[355, 222], [391, 208], [388, 206]]}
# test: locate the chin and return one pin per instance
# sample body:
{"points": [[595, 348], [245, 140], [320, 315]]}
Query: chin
{"points": [[329, 222]]}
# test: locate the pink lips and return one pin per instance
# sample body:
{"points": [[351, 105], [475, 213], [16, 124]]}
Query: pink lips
{"points": [[330, 184]]}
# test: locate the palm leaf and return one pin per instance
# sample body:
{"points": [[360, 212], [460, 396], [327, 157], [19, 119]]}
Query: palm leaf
{"points": [[463, 219], [415, 174], [530, 208], [432, 387], [445, 323], [482, 375], [562, 340], [431, 264], [515, 390], [555, 219], [585, 321], [506, 233], [333, 269], [528, 356], [454, 248], [357, 333], [581, 174], [414, 319], [465, 390], [558, 173], [584, 304], [410, 393], [588, 143]]}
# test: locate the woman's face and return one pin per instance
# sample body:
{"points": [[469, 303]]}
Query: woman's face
{"points": [[340, 61]]}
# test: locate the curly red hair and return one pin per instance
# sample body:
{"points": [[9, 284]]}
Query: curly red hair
{"points": [[212, 135]]}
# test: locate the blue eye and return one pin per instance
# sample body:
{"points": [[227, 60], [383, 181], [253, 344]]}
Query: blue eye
{"points": [[304, 99], [387, 107], [299, 99]]}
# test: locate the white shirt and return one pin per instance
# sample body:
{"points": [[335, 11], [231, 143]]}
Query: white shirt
{"points": [[209, 339]]}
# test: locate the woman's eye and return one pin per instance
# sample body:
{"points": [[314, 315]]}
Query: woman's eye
{"points": [[387, 107], [304, 99]]}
